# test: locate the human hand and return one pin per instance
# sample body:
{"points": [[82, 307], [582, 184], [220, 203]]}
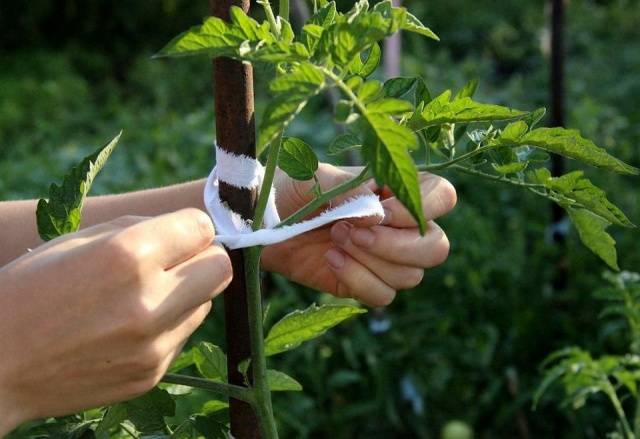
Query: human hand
{"points": [[97, 316], [360, 258]]}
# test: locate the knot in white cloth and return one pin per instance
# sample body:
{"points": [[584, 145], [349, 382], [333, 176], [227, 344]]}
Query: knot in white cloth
{"points": [[245, 172]]}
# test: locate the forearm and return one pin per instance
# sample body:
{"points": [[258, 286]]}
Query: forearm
{"points": [[18, 229]]}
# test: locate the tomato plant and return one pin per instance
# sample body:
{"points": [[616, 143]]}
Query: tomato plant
{"points": [[399, 129]]}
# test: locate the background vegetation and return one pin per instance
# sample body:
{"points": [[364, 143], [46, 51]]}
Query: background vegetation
{"points": [[468, 342]]}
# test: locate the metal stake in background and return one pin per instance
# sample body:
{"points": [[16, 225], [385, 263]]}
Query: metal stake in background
{"points": [[556, 96], [235, 131]]}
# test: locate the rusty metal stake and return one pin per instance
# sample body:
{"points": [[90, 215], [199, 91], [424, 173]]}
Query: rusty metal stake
{"points": [[235, 131]]}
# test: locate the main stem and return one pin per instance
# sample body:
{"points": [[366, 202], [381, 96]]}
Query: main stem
{"points": [[261, 391]]}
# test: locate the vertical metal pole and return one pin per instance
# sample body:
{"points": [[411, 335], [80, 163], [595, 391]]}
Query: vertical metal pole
{"points": [[235, 131], [556, 90], [392, 51]]}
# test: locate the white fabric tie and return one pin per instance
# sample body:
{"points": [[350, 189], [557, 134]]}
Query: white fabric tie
{"points": [[245, 172]]}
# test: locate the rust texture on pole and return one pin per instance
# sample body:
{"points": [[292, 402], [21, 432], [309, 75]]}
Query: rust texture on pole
{"points": [[235, 132]]}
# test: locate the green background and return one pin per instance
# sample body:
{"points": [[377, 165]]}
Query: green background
{"points": [[467, 343]]}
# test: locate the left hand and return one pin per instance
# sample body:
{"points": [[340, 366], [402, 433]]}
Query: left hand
{"points": [[365, 259]]}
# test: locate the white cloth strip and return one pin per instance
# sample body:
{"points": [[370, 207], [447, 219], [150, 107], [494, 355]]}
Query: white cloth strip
{"points": [[235, 232], [238, 170]]}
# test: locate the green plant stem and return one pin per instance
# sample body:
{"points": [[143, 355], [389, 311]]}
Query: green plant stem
{"points": [[449, 163], [127, 430], [267, 182], [611, 393], [229, 390], [345, 88], [260, 385], [283, 9], [266, 5], [487, 176], [323, 199], [636, 420]]}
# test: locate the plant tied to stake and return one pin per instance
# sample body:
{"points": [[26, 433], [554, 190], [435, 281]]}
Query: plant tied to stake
{"points": [[399, 128]]}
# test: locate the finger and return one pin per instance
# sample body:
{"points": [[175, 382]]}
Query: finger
{"points": [[398, 246], [356, 281], [438, 198], [93, 233], [159, 353], [397, 276], [195, 282], [189, 322], [170, 239], [176, 338], [294, 193]]}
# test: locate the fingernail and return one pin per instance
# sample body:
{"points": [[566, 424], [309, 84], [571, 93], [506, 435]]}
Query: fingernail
{"points": [[362, 237], [335, 258], [387, 216], [340, 233]]}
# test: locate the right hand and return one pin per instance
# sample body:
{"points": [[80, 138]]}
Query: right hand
{"points": [[97, 316]]}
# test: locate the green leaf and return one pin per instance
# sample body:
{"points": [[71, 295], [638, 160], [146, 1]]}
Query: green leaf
{"points": [[147, 412], [300, 326], [213, 406], [514, 131], [576, 187], [112, 418], [210, 361], [62, 212], [243, 39], [373, 59], [344, 142], [592, 231], [468, 90], [385, 149], [570, 143], [398, 87], [343, 110], [369, 91], [389, 106], [297, 159], [412, 24], [510, 168], [442, 110], [281, 382], [184, 360], [325, 16], [535, 117], [292, 91]]}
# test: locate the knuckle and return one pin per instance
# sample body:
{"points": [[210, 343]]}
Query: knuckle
{"points": [[138, 322], [203, 224], [126, 221], [120, 253]]}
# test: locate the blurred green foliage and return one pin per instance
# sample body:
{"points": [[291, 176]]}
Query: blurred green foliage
{"points": [[467, 343]]}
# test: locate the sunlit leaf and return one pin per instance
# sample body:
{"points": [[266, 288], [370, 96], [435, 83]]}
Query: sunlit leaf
{"points": [[570, 143], [210, 361], [592, 231], [61, 213], [300, 326], [292, 91], [297, 159], [281, 382]]}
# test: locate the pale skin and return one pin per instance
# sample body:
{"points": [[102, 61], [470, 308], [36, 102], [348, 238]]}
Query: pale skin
{"points": [[97, 316]]}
